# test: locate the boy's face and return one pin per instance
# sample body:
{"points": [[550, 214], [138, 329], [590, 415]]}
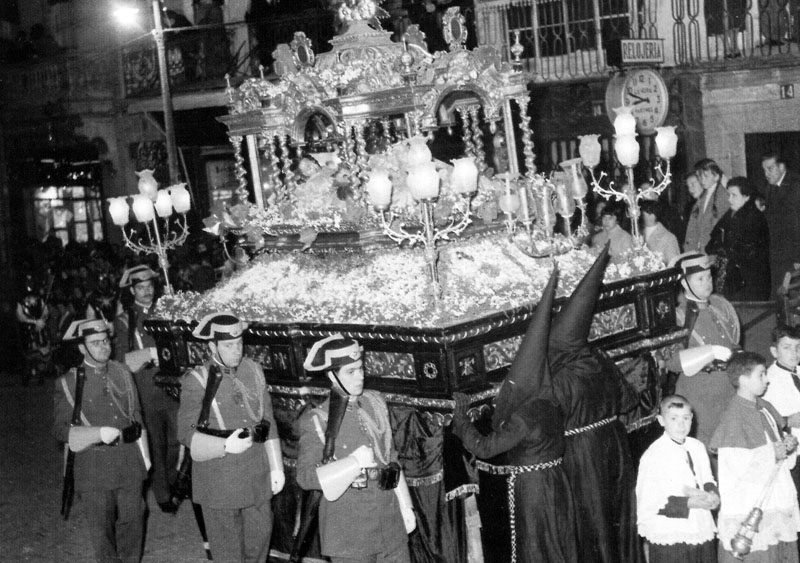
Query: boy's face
{"points": [[701, 284], [755, 383], [787, 351], [677, 422], [351, 377]]}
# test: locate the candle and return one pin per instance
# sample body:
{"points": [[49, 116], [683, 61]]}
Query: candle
{"points": [[119, 210], [163, 203], [147, 184], [143, 208], [465, 176], [666, 142], [379, 188], [181, 200], [509, 203], [589, 150], [418, 152], [625, 122], [423, 182], [627, 150]]}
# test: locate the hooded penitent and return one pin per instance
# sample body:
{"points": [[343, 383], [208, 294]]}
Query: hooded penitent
{"points": [[570, 329], [529, 374]]}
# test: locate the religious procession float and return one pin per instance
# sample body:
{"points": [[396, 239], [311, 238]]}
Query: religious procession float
{"points": [[366, 221]]}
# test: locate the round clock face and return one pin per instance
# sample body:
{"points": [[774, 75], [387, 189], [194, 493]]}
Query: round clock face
{"points": [[644, 90]]}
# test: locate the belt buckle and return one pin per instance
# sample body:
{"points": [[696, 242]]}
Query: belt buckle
{"points": [[361, 481]]}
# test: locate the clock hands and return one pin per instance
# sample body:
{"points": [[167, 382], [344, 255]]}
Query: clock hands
{"points": [[639, 99]]}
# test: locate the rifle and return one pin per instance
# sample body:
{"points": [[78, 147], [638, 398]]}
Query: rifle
{"points": [[183, 484], [336, 409], [68, 490]]}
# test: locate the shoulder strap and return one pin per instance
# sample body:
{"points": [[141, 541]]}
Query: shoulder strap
{"points": [[80, 378]]}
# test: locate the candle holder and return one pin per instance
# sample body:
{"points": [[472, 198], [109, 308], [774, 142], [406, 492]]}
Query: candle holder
{"points": [[627, 150], [148, 206]]}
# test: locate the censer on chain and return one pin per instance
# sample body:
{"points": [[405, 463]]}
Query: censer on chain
{"points": [[743, 540]]}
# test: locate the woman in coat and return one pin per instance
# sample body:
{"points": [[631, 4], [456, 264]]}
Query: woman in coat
{"points": [[741, 240]]}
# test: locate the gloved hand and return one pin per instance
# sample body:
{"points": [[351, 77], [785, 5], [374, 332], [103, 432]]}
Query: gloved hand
{"points": [[460, 413], [277, 480], [364, 456], [109, 434], [236, 445], [131, 433], [721, 353], [790, 442], [780, 450]]}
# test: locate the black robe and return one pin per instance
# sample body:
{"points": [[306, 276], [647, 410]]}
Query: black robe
{"points": [[545, 516], [598, 462]]}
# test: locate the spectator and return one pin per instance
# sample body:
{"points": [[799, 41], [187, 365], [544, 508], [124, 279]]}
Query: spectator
{"points": [[710, 206], [783, 201], [740, 240], [611, 217], [657, 238]]}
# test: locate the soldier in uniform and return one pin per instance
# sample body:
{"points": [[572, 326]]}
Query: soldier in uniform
{"points": [[236, 453], [713, 332], [110, 462], [366, 512], [137, 349]]}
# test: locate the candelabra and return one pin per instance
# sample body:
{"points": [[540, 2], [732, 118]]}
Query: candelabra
{"points": [[627, 150], [148, 206], [514, 203], [423, 183]]}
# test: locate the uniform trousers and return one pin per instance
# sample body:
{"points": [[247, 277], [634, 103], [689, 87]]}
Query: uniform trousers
{"points": [[239, 535], [161, 421], [400, 555], [115, 520]]}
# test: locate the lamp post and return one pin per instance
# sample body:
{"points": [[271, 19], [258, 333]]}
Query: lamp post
{"points": [[126, 15], [148, 206]]}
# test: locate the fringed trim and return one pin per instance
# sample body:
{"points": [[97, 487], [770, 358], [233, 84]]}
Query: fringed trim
{"points": [[425, 481], [641, 423], [588, 427], [516, 469], [462, 490]]}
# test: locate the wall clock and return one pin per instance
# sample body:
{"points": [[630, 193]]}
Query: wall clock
{"points": [[645, 91]]}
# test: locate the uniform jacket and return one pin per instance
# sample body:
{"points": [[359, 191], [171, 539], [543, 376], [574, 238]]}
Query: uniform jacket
{"points": [[701, 222], [236, 480], [109, 399], [151, 395], [664, 471], [361, 522]]}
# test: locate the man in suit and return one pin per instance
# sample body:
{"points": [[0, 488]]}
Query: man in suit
{"points": [[783, 202], [709, 207]]}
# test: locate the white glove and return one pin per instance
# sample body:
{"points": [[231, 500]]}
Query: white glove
{"points": [[154, 354], [108, 434], [721, 353], [277, 479], [364, 456], [236, 445]]}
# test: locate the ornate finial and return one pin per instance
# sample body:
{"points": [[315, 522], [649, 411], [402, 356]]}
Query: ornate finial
{"points": [[229, 89], [261, 71], [517, 49], [356, 10], [407, 62], [454, 27]]}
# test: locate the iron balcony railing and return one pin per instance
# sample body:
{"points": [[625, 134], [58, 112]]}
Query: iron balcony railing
{"points": [[564, 40]]}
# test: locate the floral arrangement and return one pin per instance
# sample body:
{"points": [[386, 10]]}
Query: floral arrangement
{"points": [[479, 276]]}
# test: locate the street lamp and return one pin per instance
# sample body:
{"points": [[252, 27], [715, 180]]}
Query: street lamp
{"points": [[127, 14]]}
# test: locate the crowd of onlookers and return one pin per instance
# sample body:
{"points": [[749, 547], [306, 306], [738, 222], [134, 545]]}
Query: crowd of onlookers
{"points": [[754, 236]]}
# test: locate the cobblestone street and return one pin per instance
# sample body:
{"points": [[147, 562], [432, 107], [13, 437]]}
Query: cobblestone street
{"points": [[31, 464]]}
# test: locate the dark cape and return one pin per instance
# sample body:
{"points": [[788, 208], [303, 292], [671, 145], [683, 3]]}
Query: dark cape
{"points": [[590, 390]]}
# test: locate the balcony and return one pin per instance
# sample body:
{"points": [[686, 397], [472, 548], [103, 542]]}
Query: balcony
{"points": [[566, 40]]}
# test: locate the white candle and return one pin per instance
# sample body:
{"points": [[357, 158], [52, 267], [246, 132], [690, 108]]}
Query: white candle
{"points": [[147, 184], [627, 150], [465, 176], [666, 142], [181, 200], [625, 122], [379, 188], [119, 210], [163, 203], [589, 150], [143, 208], [423, 182]]}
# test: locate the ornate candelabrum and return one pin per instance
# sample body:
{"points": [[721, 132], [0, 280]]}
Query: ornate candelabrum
{"points": [[423, 182], [148, 206], [627, 150], [510, 202]]}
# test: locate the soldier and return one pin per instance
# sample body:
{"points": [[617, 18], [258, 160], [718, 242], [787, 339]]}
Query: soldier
{"points": [[137, 350], [226, 420], [367, 510], [110, 462]]}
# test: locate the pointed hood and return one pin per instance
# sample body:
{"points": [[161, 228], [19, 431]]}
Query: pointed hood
{"points": [[529, 374], [570, 331]]}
